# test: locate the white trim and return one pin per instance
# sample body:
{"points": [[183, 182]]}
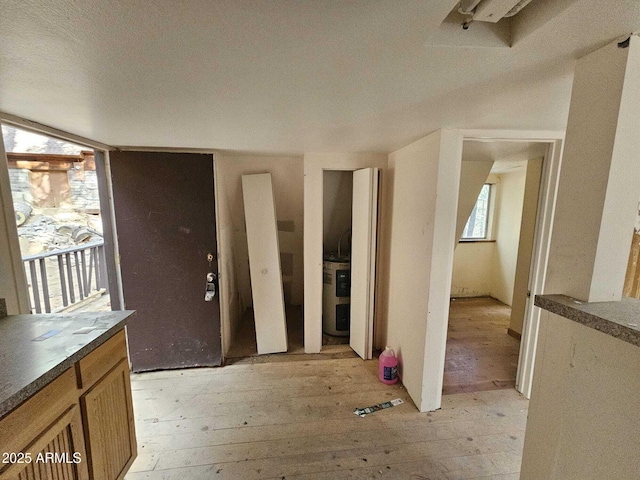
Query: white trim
{"points": [[36, 127], [490, 235], [204, 151], [14, 284], [538, 271], [512, 135], [222, 290], [114, 230], [220, 151], [31, 126]]}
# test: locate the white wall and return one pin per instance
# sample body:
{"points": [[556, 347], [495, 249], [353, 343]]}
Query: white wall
{"points": [[472, 269], [472, 261], [584, 420], [13, 285], [314, 166], [507, 220], [598, 186], [423, 222], [525, 245], [287, 178], [415, 170]]}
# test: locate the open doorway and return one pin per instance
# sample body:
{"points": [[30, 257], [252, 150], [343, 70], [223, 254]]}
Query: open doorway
{"points": [[420, 290], [350, 214], [56, 198], [336, 247], [314, 167], [496, 222]]}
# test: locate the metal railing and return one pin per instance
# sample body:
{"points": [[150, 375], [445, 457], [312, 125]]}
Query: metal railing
{"points": [[65, 277]]}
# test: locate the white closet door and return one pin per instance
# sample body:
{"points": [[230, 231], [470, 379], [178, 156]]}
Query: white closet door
{"points": [[363, 259], [264, 263]]}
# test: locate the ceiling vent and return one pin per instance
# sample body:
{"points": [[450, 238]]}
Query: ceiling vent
{"points": [[491, 10]]}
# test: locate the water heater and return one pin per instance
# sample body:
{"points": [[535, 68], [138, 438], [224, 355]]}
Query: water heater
{"points": [[336, 297]]}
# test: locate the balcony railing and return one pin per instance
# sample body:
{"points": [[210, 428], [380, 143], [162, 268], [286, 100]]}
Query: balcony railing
{"points": [[62, 278]]}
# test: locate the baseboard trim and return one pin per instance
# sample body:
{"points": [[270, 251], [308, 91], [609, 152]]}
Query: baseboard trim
{"points": [[470, 297]]}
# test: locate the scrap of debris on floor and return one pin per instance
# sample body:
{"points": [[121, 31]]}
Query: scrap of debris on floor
{"points": [[381, 406]]}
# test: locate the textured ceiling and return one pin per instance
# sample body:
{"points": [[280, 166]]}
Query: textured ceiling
{"points": [[288, 76]]}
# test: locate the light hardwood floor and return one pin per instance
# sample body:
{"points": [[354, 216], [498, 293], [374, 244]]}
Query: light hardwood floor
{"points": [[294, 420], [480, 354]]}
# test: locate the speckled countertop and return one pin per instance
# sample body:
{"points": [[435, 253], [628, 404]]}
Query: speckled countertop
{"points": [[618, 319], [35, 349]]}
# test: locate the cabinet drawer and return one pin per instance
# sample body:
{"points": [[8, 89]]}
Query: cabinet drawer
{"points": [[95, 365]]}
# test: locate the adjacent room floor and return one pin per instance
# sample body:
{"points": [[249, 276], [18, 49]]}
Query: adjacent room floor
{"points": [[294, 420], [480, 354]]}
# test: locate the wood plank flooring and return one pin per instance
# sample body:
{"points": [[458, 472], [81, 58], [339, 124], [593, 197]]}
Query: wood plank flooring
{"points": [[294, 420], [480, 354], [244, 344]]}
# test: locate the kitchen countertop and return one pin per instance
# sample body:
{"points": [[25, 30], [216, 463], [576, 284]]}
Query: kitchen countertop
{"points": [[617, 319], [35, 349]]}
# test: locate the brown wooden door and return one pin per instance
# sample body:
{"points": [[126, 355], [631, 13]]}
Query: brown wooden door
{"points": [[165, 218]]}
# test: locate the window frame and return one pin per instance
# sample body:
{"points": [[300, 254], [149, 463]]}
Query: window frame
{"points": [[491, 200]]}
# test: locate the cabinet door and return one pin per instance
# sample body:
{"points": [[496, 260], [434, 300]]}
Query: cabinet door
{"points": [[109, 424], [57, 454]]}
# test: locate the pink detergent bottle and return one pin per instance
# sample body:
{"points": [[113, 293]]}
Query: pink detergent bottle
{"points": [[388, 367]]}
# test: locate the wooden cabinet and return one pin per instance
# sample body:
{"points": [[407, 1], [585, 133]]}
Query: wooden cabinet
{"points": [[43, 438], [78, 427], [107, 409], [57, 453], [108, 421], [109, 424]]}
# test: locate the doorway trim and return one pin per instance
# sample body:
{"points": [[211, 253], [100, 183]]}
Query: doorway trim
{"points": [[12, 279], [105, 197], [314, 166], [434, 371], [539, 262]]}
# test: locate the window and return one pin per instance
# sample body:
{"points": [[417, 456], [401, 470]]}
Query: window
{"points": [[478, 225]]}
